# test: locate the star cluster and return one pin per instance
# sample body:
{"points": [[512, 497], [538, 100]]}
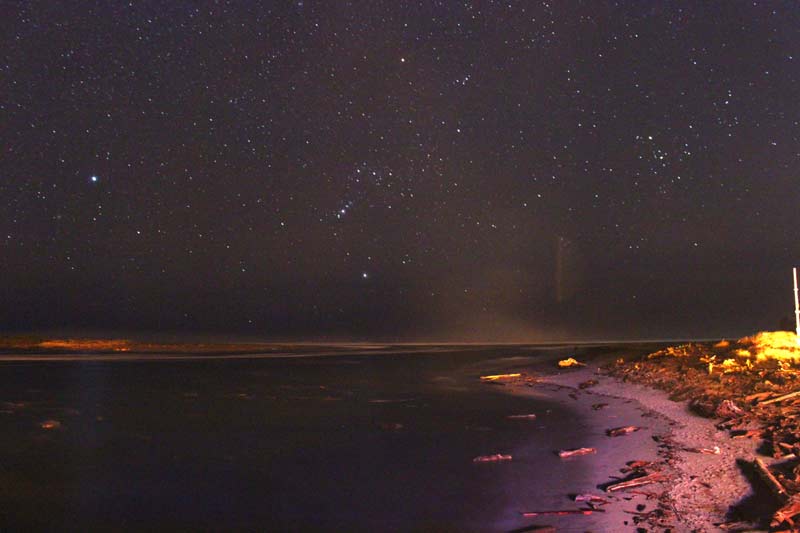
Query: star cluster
{"points": [[505, 170]]}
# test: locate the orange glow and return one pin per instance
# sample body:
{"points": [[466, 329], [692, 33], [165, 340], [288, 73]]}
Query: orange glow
{"points": [[117, 345], [780, 345], [740, 356]]}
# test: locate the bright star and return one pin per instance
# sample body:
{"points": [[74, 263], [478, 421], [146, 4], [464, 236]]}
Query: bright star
{"points": [[364, 275], [94, 179]]}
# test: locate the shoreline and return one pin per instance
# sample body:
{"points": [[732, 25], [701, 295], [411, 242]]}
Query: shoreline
{"points": [[394, 405], [702, 489]]}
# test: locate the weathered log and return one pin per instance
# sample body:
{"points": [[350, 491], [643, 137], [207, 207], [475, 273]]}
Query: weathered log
{"points": [[636, 482], [774, 485], [758, 396], [566, 512], [749, 433], [491, 458], [577, 451], [780, 398], [710, 451], [787, 513], [590, 499], [636, 465], [624, 430]]}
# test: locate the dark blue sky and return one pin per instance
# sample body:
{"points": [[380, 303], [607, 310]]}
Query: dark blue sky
{"points": [[449, 170]]}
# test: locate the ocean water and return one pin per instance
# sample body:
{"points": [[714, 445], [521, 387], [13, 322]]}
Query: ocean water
{"points": [[350, 442]]}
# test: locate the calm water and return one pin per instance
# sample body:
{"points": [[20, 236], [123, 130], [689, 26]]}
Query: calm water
{"points": [[344, 443]]}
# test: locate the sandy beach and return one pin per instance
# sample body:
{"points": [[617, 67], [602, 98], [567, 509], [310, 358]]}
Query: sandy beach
{"points": [[703, 491], [701, 487]]}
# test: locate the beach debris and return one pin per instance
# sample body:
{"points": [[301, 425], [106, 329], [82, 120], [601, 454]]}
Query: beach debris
{"points": [[710, 451], [738, 526], [624, 430], [50, 424], [752, 387], [733, 424], [647, 494], [775, 486], [683, 350], [728, 409], [758, 396], [781, 398], [747, 434], [522, 417], [640, 516], [787, 513], [590, 499], [569, 362], [636, 466], [588, 383], [647, 479], [703, 406], [709, 360], [498, 377], [598, 406], [492, 458], [576, 452], [565, 512]]}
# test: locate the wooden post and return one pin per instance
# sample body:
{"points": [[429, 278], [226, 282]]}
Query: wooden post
{"points": [[796, 307]]}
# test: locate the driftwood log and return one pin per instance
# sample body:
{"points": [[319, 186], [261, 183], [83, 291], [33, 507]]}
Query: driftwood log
{"points": [[780, 398], [774, 485], [636, 482], [566, 512]]}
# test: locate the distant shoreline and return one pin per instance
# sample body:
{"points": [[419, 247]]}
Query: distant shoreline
{"points": [[126, 350]]}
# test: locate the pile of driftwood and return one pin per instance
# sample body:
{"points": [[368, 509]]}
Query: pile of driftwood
{"points": [[754, 396]]}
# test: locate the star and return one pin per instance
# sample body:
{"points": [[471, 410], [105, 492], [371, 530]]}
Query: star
{"points": [[94, 179]]}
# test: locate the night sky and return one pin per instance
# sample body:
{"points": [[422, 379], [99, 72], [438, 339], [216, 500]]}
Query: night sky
{"points": [[399, 170]]}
